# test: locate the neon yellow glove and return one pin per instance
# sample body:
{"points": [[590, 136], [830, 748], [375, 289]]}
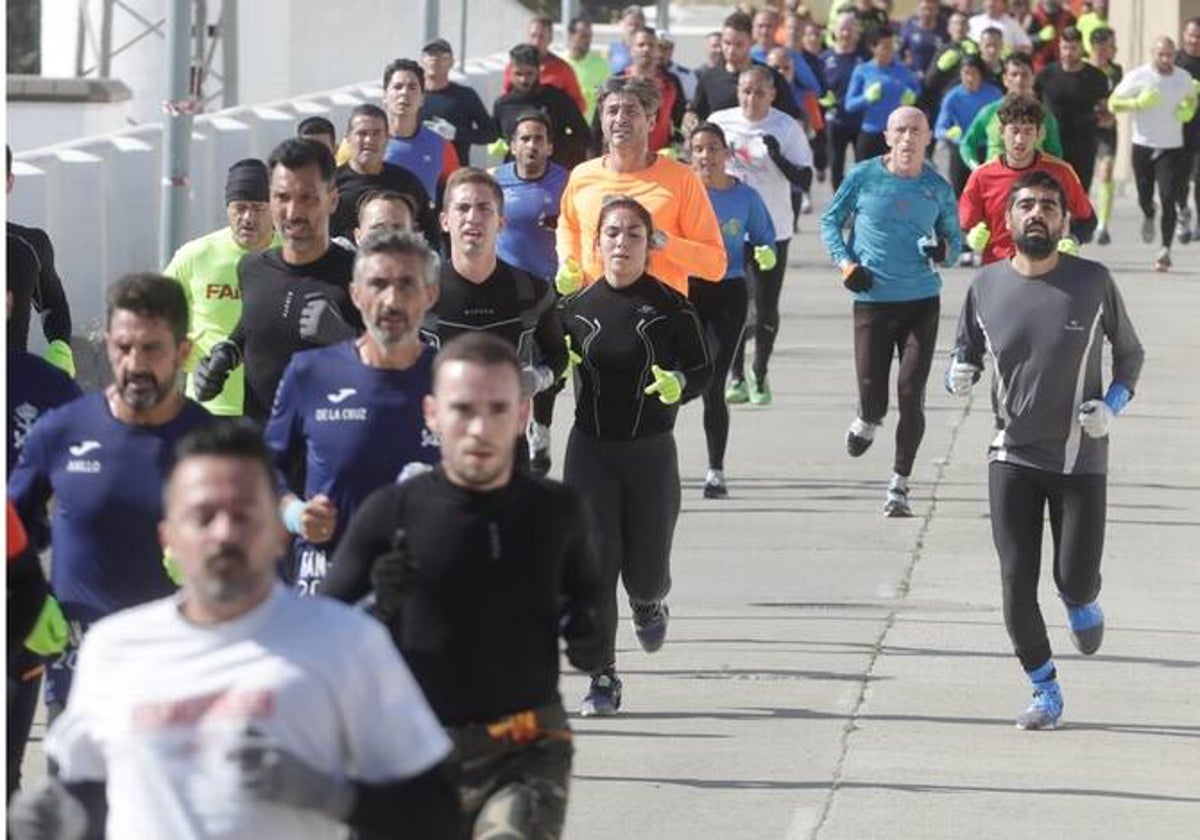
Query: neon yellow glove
{"points": [[51, 632], [1148, 98], [498, 148], [979, 236], [948, 60], [1186, 109], [669, 152], [1046, 33], [829, 100], [908, 97], [954, 133], [573, 360], [1069, 245], [667, 384], [970, 47], [874, 92], [764, 257], [172, 568], [569, 278], [58, 353]]}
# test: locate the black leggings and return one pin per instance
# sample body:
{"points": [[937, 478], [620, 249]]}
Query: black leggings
{"points": [[766, 287], [869, 144], [1080, 152], [23, 680], [1163, 167], [1191, 168], [841, 138], [722, 310], [1018, 497], [631, 488], [908, 328]]}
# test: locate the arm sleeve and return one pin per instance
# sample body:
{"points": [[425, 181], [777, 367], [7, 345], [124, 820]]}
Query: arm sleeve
{"points": [[970, 205], [759, 228], [27, 587], [700, 100], [698, 248], [550, 337], [692, 350], [284, 432], [833, 220], [367, 536], [483, 129], [424, 806], [784, 100], [29, 485], [1053, 142], [969, 345], [567, 240], [855, 99], [947, 223], [1127, 351], [679, 106], [49, 298], [805, 75], [975, 138], [945, 120]]}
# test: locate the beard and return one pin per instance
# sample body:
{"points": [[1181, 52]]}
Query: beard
{"points": [[230, 580], [1036, 243], [142, 392]]}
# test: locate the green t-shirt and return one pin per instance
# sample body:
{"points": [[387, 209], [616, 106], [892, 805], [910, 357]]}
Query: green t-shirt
{"points": [[985, 131], [206, 268], [591, 70]]}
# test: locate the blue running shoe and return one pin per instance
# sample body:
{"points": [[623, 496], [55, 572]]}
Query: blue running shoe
{"points": [[650, 625], [1087, 627], [1045, 710], [604, 697]]}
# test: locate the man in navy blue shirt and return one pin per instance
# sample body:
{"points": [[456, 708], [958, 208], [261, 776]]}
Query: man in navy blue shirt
{"points": [[921, 37], [104, 457], [353, 411]]}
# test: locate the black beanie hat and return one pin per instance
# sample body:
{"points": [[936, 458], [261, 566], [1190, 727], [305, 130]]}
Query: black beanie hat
{"points": [[246, 181]]}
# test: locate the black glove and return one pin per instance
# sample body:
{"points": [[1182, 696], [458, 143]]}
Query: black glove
{"points": [[548, 222], [858, 279], [321, 323], [585, 643], [211, 372], [392, 577], [772, 144], [934, 248]]}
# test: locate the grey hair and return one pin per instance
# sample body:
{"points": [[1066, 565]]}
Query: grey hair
{"points": [[401, 243]]}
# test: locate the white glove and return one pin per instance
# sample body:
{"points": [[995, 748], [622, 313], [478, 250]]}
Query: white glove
{"points": [[1095, 416], [271, 773], [47, 811], [961, 377], [535, 379]]}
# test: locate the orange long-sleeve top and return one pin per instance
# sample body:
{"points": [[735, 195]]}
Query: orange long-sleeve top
{"points": [[677, 202]]}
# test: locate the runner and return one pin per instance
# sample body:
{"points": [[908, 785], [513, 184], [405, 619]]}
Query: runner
{"points": [[1042, 317], [103, 458], [877, 88], [1162, 98], [528, 93], [412, 144], [1188, 58], [983, 141], [904, 222], [1075, 93], [240, 703], [206, 269], [590, 66], [843, 125], [1104, 48], [643, 353], [552, 71], [348, 417], [745, 227], [476, 599], [385, 210], [770, 153], [959, 107], [456, 109]]}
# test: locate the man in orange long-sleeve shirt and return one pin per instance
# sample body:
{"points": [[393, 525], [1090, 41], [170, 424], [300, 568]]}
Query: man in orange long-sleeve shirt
{"points": [[671, 192], [982, 207]]}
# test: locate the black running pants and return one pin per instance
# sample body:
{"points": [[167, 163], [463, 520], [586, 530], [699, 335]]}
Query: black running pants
{"points": [[1162, 168], [722, 310], [765, 287]]}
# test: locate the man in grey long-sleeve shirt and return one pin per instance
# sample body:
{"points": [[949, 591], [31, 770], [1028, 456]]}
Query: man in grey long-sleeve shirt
{"points": [[1042, 317]]}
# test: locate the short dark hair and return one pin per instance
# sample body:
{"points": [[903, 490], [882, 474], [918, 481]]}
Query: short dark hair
{"points": [[650, 30], [367, 109], [1037, 178], [643, 89], [1071, 34], [710, 128], [533, 115], [226, 437], [296, 153], [577, 21], [992, 31], [1018, 58], [739, 22], [874, 36], [1015, 108], [150, 295], [386, 195], [313, 126], [480, 348], [407, 65], [473, 175], [976, 62], [542, 20], [1102, 33], [400, 242], [525, 54]]}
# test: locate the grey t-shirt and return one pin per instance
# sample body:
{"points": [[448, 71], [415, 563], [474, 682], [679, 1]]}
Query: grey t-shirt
{"points": [[1044, 336]]}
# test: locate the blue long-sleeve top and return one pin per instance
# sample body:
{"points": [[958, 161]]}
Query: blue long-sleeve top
{"points": [[891, 213], [743, 218], [838, 68], [802, 74], [959, 107], [895, 79]]}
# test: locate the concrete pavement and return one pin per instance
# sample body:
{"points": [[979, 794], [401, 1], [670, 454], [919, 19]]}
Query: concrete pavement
{"points": [[833, 674]]}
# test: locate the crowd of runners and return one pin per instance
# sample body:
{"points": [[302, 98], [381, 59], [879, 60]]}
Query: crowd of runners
{"points": [[347, 395]]}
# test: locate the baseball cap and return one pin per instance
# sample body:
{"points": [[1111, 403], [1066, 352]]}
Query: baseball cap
{"points": [[437, 45]]}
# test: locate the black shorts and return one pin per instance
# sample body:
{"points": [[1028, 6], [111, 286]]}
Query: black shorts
{"points": [[1106, 142]]}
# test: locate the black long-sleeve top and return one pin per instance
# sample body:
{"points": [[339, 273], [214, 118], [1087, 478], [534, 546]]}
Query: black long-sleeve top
{"points": [[621, 334], [35, 285], [571, 133], [494, 571]]}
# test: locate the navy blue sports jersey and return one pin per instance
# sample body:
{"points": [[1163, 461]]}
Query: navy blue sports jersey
{"points": [[34, 387], [530, 215], [106, 477], [355, 427]]}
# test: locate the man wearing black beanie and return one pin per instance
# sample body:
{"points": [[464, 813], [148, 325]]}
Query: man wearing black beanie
{"points": [[206, 268]]}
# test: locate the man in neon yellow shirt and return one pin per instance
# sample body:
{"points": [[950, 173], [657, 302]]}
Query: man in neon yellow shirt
{"points": [[591, 68], [206, 268]]}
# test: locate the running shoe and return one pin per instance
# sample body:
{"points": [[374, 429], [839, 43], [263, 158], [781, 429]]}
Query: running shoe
{"points": [[1045, 710], [714, 485], [1147, 229], [604, 696], [737, 392], [650, 625], [857, 444], [1163, 263], [760, 390], [1103, 237], [806, 205], [896, 506], [1087, 627]]}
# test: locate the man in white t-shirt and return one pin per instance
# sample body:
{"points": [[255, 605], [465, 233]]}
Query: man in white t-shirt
{"points": [[769, 152], [995, 15], [1162, 98], [235, 710]]}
